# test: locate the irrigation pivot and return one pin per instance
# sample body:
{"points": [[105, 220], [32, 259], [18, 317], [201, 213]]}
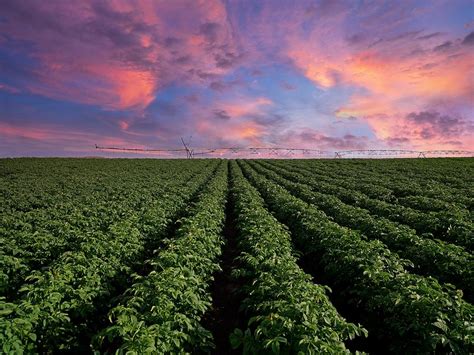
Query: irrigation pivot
{"points": [[284, 152]]}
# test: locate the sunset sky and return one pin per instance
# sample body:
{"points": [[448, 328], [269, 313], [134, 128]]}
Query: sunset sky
{"points": [[328, 74]]}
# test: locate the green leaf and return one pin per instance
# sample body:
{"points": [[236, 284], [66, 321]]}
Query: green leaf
{"points": [[236, 338]]}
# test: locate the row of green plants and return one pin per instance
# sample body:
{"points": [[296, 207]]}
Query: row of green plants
{"points": [[288, 313], [446, 262], [378, 173], [426, 204], [161, 312], [407, 312], [58, 304], [452, 226]]}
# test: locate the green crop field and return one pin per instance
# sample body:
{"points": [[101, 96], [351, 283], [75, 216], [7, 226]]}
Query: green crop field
{"points": [[153, 256]]}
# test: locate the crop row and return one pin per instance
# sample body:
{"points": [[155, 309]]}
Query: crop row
{"points": [[288, 312], [411, 313], [59, 302], [162, 310]]}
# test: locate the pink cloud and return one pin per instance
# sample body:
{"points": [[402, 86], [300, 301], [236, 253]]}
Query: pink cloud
{"points": [[8, 88], [233, 122], [307, 137], [240, 133], [243, 107], [58, 136], [118, 54]]}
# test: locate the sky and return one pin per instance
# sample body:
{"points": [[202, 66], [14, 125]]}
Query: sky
{"points": [[329, 74]]}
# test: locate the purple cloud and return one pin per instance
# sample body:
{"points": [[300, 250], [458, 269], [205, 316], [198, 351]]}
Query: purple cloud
{"points": [[469, 39], [444, 46], [436, 124]]}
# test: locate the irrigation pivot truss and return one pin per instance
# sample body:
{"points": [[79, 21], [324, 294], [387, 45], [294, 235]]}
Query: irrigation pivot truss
{"points": [[401, 152], [283, 152], [273, 151], [141, 150]]}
